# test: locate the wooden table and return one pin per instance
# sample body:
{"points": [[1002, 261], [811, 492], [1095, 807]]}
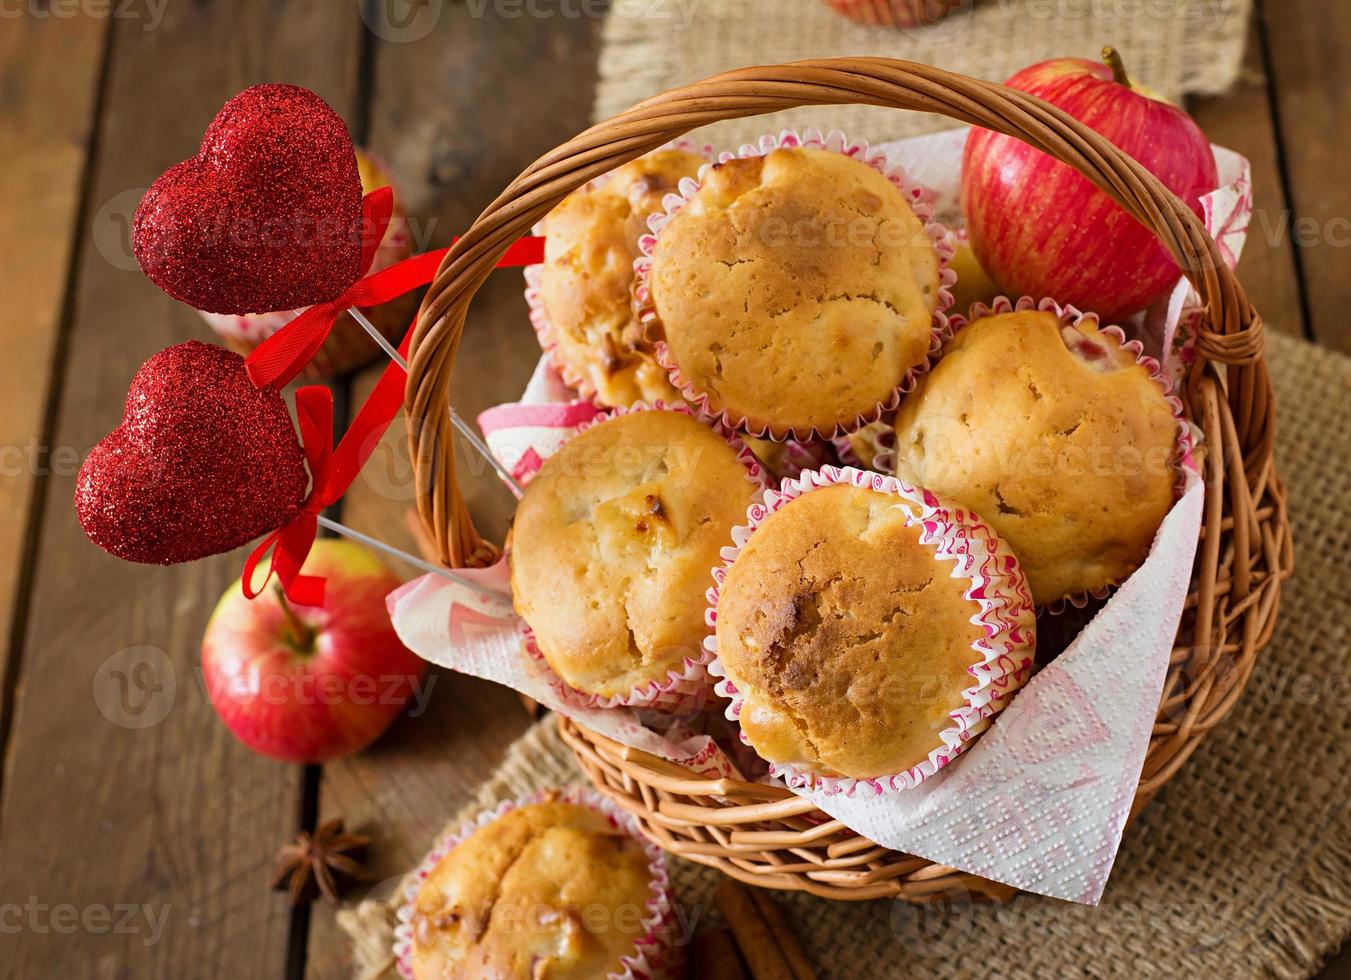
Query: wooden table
{"points": [[172, 826]]}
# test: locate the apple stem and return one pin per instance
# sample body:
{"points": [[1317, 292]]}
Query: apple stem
{"points": [[302, 636], [1112, 57]]}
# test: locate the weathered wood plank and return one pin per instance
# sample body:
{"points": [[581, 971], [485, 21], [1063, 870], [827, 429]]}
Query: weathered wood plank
{"points": [[456, 113], [1307, 44], [168, 814], [49, 78], [1242, 121]]}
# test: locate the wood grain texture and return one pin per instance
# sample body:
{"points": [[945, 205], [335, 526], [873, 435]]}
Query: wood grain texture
{"points": [[456, 114], [1308, 41], [177, 816], [174, 817], [1241, 120], [49, 78]]}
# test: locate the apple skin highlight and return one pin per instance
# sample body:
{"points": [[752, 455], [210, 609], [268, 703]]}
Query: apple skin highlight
{"points": [[1040, 228], [309, 684]]}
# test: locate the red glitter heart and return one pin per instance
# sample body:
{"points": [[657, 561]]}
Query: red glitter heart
{"points": [[266, 216], [202, 463]]}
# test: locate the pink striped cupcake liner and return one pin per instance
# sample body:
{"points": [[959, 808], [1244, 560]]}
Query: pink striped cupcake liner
{"points": [[1070, 321], [844, 446], [1002, 657], [918, 197], [685, 687], [656, 955], [539, 316]]}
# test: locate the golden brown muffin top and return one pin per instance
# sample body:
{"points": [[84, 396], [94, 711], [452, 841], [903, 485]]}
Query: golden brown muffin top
{"points": [[591, 242], [548, 891], [1059, 439], [613, 542], [848, 639], [795, 290]]}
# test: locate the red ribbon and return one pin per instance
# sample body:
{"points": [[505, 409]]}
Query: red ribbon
{"points": [[281, 357], [291, 544], [331, 471]]}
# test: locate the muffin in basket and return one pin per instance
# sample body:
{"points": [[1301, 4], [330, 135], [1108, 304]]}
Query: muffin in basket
{"points": [[610, 552], [867, 630], [796, 293], [559, 886], [1058, 433], [580, 296]]}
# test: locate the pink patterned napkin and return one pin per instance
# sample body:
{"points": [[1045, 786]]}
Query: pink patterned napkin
{"points": [[1041, 799]]}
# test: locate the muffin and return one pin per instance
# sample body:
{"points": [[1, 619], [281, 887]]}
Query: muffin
{"points": [[559, 888], [866, 631], [348, 347], [1057, 434], [795, 293], [580, 296], [611, 548]]}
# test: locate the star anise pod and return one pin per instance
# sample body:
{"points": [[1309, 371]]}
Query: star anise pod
{"points": [[324, 861]]}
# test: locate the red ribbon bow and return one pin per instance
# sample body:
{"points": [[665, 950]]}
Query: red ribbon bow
{"points": [[331, 472], [291, 544], [279, 358]]}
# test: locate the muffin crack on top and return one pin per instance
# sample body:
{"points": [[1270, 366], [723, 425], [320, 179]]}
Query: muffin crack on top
{"points": [[848, 640], [480, 920], [550, 888], [611, 547], [1073, 457], [581, 294], [794, 292]]}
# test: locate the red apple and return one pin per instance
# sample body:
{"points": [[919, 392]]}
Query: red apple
{"points": [[307, 684], [1040, 228]]}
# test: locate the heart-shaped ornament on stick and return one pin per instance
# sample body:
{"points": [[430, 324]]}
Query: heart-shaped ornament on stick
{"points": [[202, 463], [267, 215]]}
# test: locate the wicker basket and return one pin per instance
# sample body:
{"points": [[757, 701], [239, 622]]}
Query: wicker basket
{"points": [[765, 835]]}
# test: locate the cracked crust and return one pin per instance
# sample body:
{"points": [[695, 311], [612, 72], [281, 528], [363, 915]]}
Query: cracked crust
{"points": [[591, 242], [1059, 439], [548, 890], [613, 542], [795, 290], [849, 641]]}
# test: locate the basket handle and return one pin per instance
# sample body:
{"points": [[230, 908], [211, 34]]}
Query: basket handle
{"points": [[1230, 332]]}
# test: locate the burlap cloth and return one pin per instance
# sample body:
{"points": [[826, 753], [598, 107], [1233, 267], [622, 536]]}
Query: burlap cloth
{"points": [[1240, 867], [1175, 47]]}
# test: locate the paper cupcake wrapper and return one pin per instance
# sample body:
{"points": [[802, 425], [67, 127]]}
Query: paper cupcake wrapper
{"points": [[799, 456], [683, 688], [1070, 318], [848, 455], [656, 955], [918, 197], [790, 457], [545, 332], [1002, 657]]}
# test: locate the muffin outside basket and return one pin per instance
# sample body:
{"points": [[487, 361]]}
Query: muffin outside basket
{"points": [[766, 835]]}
